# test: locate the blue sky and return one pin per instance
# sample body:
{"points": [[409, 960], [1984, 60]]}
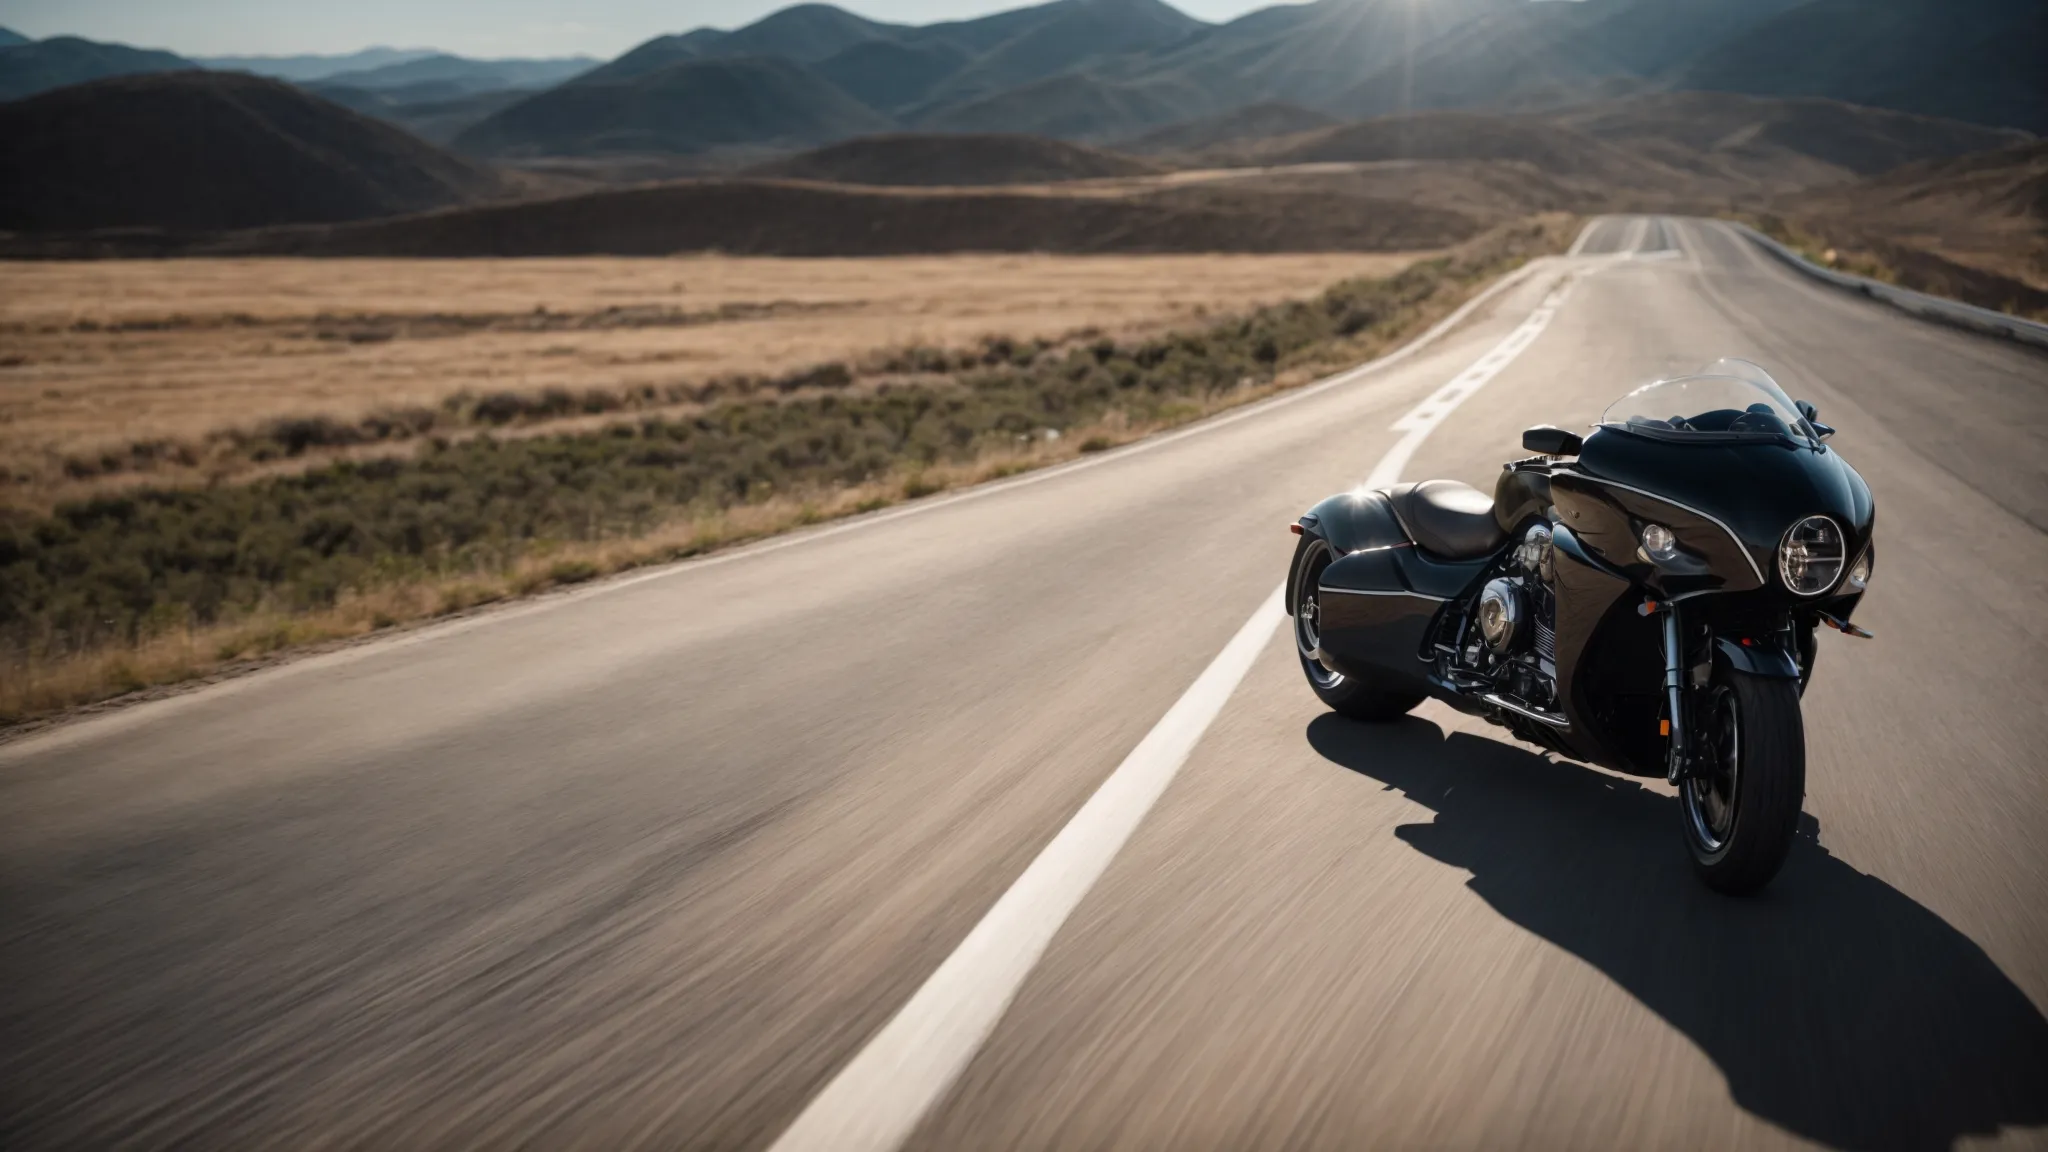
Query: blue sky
{"points": [[469, 27]]}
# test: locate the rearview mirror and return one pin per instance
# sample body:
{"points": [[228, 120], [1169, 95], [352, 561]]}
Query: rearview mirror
{"points": [[1550, 440], [1812, 415]]}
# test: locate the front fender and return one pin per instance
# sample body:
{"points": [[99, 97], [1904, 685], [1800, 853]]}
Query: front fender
{"points": [[1767, 657]]}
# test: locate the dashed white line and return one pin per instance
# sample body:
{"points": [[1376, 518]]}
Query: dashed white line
{"points": [[1638, 228], [1585, 234], [1424, 417], [877, 1100]]}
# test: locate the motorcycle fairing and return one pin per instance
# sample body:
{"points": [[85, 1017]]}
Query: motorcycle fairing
{"points": [[1736, 501]]}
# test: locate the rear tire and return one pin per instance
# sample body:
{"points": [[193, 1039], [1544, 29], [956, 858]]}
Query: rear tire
{"points": [[1741, 805], [1351, 696]]}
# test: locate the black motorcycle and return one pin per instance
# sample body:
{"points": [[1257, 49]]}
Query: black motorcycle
{"points": [[1649, 606]]}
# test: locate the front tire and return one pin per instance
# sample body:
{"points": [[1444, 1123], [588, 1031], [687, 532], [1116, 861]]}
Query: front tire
{"points": [[1349, 696], [1740, 805]]}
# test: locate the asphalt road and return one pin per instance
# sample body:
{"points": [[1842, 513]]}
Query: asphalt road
{"points": [[647, 864]]}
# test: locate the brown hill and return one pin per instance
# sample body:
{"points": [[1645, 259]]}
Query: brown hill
{"points": [[209, 151], [762, 217], [1677, 148], [1251, 122], [2007, 184], [1774, 142], [1491, 191], [967, 160], [1987, 211], [1464, 136]]}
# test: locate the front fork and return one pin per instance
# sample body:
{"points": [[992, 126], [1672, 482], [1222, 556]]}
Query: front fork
{"points": [[1674, 690]]}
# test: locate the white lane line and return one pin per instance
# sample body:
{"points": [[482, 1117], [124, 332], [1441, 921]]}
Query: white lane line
{"points": [[877, 1100], [1424, 417], [1585, 234], [1638, 227]]}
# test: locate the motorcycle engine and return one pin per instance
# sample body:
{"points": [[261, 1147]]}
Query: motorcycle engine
{"points": [[1517, 617]]}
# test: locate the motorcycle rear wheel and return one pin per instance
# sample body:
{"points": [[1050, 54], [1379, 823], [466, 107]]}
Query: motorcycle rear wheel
{"points": [[1740, 806], [1351, 696]]}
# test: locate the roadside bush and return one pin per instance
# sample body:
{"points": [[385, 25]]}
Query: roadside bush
{"points": [[117, 568]]}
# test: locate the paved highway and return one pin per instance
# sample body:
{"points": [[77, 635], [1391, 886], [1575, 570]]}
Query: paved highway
{"points": [[649, 864]]}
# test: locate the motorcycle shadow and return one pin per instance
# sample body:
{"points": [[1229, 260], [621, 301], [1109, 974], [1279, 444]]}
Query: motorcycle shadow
{"points": [[1836, 1007]]}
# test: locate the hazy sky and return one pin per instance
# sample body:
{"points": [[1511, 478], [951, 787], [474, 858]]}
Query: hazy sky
{"points": [[468, 27]]}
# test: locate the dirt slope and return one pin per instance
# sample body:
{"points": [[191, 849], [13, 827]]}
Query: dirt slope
{"points": [[953, 160], [1987, 211], [761, 217]]}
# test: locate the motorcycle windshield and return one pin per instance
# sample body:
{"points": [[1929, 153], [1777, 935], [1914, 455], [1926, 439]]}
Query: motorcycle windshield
{"points": [[1728, 400]]}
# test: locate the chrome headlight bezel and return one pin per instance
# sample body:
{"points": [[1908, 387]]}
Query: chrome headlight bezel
{"points": [[1796, 556]]}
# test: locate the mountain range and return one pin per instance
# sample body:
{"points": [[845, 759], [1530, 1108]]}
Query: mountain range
{"points": [[1076, 125], [33, 66], [1108, 70], [312, 67], [1114, 70], [30, 66]]}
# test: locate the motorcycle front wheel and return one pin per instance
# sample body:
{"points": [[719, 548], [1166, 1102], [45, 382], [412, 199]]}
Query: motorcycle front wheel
{"points": [[1740, 806]]}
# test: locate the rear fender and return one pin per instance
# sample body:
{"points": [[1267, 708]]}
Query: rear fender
{"points": [[1355, 522], [1349, 522]]}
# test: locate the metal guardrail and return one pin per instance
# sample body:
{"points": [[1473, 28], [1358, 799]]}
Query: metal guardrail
{"points": [[1953, 312]]}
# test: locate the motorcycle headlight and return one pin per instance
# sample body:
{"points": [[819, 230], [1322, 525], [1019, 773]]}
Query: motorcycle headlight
{"points": [[1810, 557], [1859, 572]]}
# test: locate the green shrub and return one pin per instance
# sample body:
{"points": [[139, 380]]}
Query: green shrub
{"points": [[572, 571]]}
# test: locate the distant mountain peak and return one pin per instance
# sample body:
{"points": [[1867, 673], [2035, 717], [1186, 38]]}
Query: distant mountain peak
{"points": [[61, 61], [319, 162]]}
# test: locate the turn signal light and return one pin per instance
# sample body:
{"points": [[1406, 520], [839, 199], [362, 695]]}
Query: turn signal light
{"points": [[1659, 545]]}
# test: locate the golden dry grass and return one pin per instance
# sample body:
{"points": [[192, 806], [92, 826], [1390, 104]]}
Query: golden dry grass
{"points": [[1017, 297], [99, 355], [39, 685]]}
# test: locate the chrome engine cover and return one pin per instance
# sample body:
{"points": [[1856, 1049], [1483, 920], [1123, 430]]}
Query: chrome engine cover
{"points": [[1501, 612]]}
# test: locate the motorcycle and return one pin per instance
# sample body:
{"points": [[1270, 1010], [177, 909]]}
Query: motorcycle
{"points": [[1644, 598]]}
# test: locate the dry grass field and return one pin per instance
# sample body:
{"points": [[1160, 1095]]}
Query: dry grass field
{"points": [[98, 356], [249, 516]]}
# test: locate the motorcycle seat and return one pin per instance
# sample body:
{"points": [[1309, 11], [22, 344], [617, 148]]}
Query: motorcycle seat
{"points": [[1447, 519]]}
